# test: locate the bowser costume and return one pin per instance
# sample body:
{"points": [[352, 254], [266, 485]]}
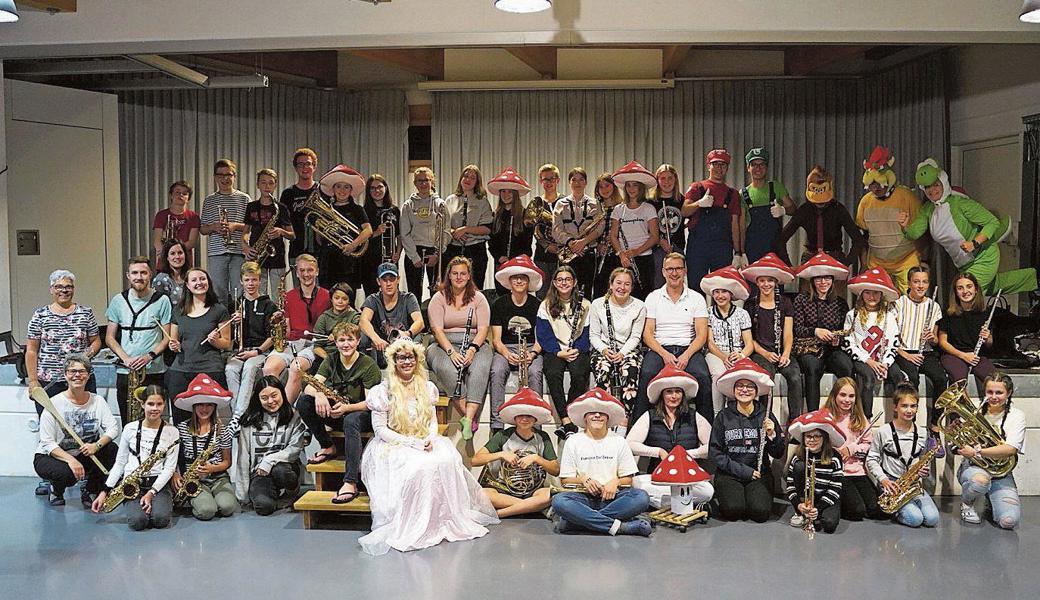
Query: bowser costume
{"points": [[878, 215]]}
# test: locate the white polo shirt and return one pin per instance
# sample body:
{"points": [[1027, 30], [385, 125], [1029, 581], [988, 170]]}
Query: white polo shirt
{"points": [[675, 320]]}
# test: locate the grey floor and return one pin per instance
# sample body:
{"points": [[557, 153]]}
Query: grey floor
{"points": [[67, 552]]}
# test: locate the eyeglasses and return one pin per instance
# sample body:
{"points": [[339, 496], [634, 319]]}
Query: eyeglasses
{"points": [[300, 165], [813, 436], [223, 174], [564, 280], [744, 386], [404, 358], [63, 288], [674, 269], [76, 371]]}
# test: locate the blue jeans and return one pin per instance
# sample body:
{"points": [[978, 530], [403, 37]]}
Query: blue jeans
{"points": [[584, 512], [919, 511], [224, 274], [1002, 493]]}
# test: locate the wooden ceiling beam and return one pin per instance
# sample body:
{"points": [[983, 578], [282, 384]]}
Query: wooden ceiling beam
{"points": [[672, 58], [539, 58], [51, 5], [428, 62]]}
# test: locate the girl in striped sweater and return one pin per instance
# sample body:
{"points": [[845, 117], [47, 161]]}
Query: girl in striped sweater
{"points": [[818, 434]]}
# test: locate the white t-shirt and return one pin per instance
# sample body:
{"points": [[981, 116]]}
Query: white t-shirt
{"points": [[633, 222], [1014, 427], [674, 320], [601, 460]]}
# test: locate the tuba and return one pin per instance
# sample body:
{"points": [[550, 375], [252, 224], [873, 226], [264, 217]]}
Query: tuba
{"points": [[963, 426], [333, 227], [908, 486]]}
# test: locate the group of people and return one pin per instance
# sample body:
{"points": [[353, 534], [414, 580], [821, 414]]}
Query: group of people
{"points": [[666, 311]]}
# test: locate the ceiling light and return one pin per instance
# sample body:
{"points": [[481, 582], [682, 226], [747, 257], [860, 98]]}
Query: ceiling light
{"points": [[8, 12], [1030, 11], [523, 6]]}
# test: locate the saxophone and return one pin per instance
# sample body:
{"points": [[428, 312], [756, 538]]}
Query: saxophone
{"points": [[963, 426], [908, 486], [130, 487], [134, 387], [190, 487], [810, 496], [566, 254], [262, 247], [280, 329], [333, 396], [813, 345]]}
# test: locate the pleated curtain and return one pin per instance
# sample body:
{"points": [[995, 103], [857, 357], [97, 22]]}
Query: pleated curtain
{"points": [[167, 135]]}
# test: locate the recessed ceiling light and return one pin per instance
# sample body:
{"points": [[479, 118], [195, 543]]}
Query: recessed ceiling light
{"points": [[523, 6]]}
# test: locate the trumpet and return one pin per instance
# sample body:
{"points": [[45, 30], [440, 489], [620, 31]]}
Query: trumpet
{"points": [[521, 327], [238, 329], [331, 226], [225, 225], [388, 240]]}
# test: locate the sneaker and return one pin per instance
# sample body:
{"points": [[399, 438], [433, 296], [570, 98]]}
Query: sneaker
{"points": [[549, 513], [933, 442], [968, 515], [43, 488], [637, 526], [86, 499], [34, 425], [560, 525], [565, 431], [466, 427], [797, 520], [54, 498]]}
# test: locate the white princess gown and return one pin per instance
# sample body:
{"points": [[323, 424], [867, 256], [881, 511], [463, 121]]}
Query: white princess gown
{"points": [[418, 498]]}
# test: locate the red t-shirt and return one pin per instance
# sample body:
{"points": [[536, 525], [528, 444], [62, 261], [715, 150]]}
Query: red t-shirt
{"points": [[182, 223], [725, 197], [303, 314]]}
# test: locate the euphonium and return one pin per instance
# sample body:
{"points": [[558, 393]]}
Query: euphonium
{"points": [[963, 426], [190, 483], [908, 486], [538, 215], [281, 328], [515, 480], [566, 254], [130, 487], [332, 226], [262, 247]]}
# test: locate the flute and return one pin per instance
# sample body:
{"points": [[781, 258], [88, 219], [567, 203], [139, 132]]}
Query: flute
{"points": [[985, 326]]}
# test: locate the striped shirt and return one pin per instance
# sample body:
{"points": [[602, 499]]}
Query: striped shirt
{"points": [[828, 482], [914, 320], [235, 204], [193, 445]]}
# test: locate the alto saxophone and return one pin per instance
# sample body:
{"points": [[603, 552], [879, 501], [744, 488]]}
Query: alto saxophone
{"points": [[130, 487], [333, 396], [908, 486], [963, 426], [262, 247], [190, 487], [280, 329], [813, 345], [134, 381]]}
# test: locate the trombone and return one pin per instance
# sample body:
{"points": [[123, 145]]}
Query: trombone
{"points": [[388, 243]]}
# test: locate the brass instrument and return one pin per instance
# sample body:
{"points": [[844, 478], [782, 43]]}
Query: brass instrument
{"points": [[280, 329], [225, 226], [521, 327], [457, 394], [135, 388], [440, 242], [538, 214], [388, 240], [333, 396], [514, 480], [238, 337], [190, 487], [130, 486], [566, 254], [333, 227], [963, 426], [810, 496], [908, 486], [169, 232], [814, 345], [262, 247]]}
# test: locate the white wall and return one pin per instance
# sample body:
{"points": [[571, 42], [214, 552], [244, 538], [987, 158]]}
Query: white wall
{"points": [[993, 87], [5, 255], [98, 27]]}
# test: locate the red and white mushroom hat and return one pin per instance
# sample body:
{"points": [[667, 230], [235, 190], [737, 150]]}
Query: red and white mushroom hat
{"points": [[521, 265], [671, 377], [821, 265], [526, 402], [596, 400], [508, 179], [343, 174], [769, 265], [726, 278], [203, 390], [678, 469], [744, 368], [874, 279], [817, 419], [634, 171]]}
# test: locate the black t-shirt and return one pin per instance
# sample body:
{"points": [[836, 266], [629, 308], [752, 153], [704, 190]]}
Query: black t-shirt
{"points": [[763, 321], [962, 330], [678, 237], [503, 310], [374, 214], [257, 217], [293, 199]]}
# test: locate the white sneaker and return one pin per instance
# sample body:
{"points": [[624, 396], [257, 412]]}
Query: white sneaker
{"points": [[968, 515], [797, 520]]}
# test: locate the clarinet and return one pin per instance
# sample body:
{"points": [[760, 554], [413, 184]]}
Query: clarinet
{"points": [[982, 340], [928, 319], [463, 371], [509, 236], [633, 268], [615, 373], [578, 313]]}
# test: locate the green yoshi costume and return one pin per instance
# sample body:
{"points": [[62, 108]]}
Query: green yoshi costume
{"points": [[956, 219]]}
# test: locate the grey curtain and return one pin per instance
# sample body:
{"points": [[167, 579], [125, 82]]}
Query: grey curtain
{"points": [[833, 122], [166, 135]]}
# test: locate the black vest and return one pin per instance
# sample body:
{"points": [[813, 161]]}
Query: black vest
{"points": [[684, 434]]}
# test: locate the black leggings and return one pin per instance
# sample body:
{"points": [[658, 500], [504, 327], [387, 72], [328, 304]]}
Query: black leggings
{"points": [[645, 266], [553, 367], [859, 499], [740, 500], [866, 380], [59, 473], [935, 375], [834, 360], [827, 517], [264, 490]]}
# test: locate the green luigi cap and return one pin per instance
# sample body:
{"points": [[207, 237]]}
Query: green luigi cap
{"points": [[756, 154], [928, 172]]}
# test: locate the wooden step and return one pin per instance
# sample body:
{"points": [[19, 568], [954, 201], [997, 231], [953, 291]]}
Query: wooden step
{"points": [[336, 465], [321, 502]]}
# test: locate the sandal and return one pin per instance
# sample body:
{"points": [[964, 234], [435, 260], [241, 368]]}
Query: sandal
{"points": [[321, 457], [345, 497]]}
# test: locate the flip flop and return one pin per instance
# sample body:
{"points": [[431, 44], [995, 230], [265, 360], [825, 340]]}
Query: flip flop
{"points": [[319, 458], [345, 497]]}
